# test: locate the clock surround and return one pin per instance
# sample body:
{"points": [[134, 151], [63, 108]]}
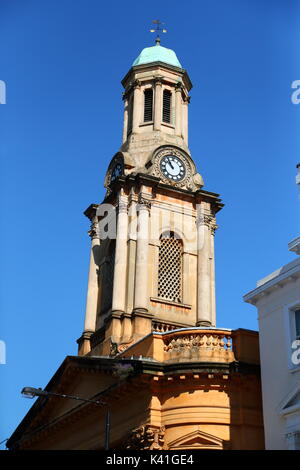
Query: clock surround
{"points": [[182, 167], [172, 168]]}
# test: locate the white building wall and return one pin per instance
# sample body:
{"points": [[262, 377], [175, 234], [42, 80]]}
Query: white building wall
{"points": [[274, 297]]}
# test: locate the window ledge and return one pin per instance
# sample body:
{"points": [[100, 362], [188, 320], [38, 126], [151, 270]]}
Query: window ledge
{"points": [[147, 123], [168, 124], [170, 302]]}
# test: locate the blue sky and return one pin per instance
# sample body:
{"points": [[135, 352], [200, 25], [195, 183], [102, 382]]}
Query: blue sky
{"points": [[62, 62]]}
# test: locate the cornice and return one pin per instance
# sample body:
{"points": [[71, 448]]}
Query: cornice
{"points": [[275, 283], [90, 212], [154, 65], [294, 245], [143, 372], [140, 179]]}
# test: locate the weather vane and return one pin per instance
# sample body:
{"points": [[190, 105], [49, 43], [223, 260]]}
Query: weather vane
{"points": [[158, 29]]}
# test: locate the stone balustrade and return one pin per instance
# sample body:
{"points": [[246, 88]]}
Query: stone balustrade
{"points": [[162, 327], [196, 344], [203, 345]]}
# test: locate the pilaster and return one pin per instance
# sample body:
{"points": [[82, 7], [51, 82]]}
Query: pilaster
{"points": [[178, 109], [158, 104], [141, 294], [204, 271], [185, 105], [136, 106], [93, 289], [125, 124], [120, 269]]}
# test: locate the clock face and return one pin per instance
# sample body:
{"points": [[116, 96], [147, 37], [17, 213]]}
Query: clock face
{"points": [[172, 167], [117, 171]]}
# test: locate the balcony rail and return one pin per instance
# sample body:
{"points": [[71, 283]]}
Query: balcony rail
{"points": [[205, 345], [163, 327]]}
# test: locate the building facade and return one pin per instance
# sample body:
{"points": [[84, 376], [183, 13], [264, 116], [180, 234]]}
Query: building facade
{"points": [[277, 299], [150, 348]]}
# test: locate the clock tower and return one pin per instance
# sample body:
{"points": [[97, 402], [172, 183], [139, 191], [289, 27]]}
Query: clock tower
{"points": [[150, 357], [152, 253]]}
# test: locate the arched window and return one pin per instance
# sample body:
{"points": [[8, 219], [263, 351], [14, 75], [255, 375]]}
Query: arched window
{"points": [[107, 278], [170, 268], [167, 96], [148, 105], [130, 114]]}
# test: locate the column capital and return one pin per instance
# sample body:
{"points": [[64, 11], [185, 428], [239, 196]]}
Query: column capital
{"points": [[94, 229], [122, 207], [158, 80], [204, 219], [213, 227], [208, 220], [178, 86], [136, 83], [143, 204]]}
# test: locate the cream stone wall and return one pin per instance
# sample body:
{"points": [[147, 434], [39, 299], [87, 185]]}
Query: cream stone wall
{"points": [[275, 298]]}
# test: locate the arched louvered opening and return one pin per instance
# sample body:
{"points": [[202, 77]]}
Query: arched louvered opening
{"points": [[167, 97], [170, 268], [148, 105], [107, 278], [130, 114]]}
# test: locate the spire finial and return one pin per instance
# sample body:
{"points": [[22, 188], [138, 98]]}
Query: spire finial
{"points": [[158, 29]]}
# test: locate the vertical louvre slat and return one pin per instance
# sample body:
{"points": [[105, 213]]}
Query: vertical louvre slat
{"points": [[130, 114], [167, 106], [107, 278], [297, 322], [148, 107]]}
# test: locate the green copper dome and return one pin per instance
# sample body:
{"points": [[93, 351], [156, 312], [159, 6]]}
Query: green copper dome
{"points": [[157, 53]]}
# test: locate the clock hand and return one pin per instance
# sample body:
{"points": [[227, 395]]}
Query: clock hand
{"points": [[170, 164]]}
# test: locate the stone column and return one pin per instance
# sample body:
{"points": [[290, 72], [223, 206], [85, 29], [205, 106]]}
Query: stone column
{"points": [[141, 266], [136, 106], [158, 104], [186, 278], [120, 269], [204, 317], [92, 291], [178, 110], [213, 228], [125, 125], [132, 229]]}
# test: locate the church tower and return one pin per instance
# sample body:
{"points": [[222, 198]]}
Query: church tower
{"points": [[152, 254], [150, 323]]}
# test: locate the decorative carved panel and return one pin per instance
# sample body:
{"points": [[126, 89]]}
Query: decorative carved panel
{"points": [[146, 438]]}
